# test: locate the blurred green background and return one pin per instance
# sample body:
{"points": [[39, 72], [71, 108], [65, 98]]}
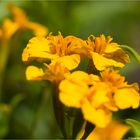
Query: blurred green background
{"points": [[32, 115]]}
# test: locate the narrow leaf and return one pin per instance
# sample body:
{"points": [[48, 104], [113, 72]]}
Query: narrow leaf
{"points": [[131, 51], [135, 125]]}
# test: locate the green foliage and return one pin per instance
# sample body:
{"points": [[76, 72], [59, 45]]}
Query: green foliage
{"points": [[135, 126]]}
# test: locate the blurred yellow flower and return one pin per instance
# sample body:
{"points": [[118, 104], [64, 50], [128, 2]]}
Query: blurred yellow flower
{"points": [[20, 21], [98, 96], [55, 72], [115, 130], [106, 54], [53, 48]]}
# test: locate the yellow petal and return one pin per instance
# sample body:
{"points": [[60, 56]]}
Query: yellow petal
{"points": [[101, 62], [70, 61], [100, 95], [38, 29], [9, 28], [33, 73], [112, 47], [79, 76], [71, 94], [113, 131], [127, 97], [38, 48], [99, 117], [56, 72], [19, 15]]}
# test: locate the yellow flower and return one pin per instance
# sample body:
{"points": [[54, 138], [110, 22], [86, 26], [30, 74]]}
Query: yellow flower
{"points": [[54, 48], [77, 90], [98, 96], [115, 130], [19, 15], [55, 72], [106, 54], [20, 21], [122, 95]]}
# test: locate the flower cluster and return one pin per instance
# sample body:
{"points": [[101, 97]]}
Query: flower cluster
{"points": [[99, 91]]}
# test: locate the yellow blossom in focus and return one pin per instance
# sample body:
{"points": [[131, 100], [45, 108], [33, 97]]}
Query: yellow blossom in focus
{"points": [[122, 95], [55, 72], [115, 130], [77, 91], [106, 54], [98, 96], [54, 49]]}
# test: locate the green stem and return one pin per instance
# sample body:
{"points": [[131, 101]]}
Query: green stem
{"points": [[131, 51], [88, 129], [64, 116], [81, 132], [4, 53], [69, 117], [59, 110]]}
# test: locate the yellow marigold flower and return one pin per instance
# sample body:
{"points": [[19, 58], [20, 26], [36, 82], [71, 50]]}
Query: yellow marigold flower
{"points": [[106, 54], [55, 72], [77, 91], [98, 96], [19, 15], [122, 95], [23, 22], [115, 130], [54, 48]]}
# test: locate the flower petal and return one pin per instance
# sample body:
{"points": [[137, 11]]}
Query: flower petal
{"points": [[99, 117], [38, 48], [113, 131], [101, 62], [127, 97], [70, 61], [34, 73], [71, 94], [100, 97], [112, 47], [38, 29]]}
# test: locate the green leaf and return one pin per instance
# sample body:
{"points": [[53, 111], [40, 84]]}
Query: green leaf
{"points": [[3, 124], [131, 51], [135, 125]]}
